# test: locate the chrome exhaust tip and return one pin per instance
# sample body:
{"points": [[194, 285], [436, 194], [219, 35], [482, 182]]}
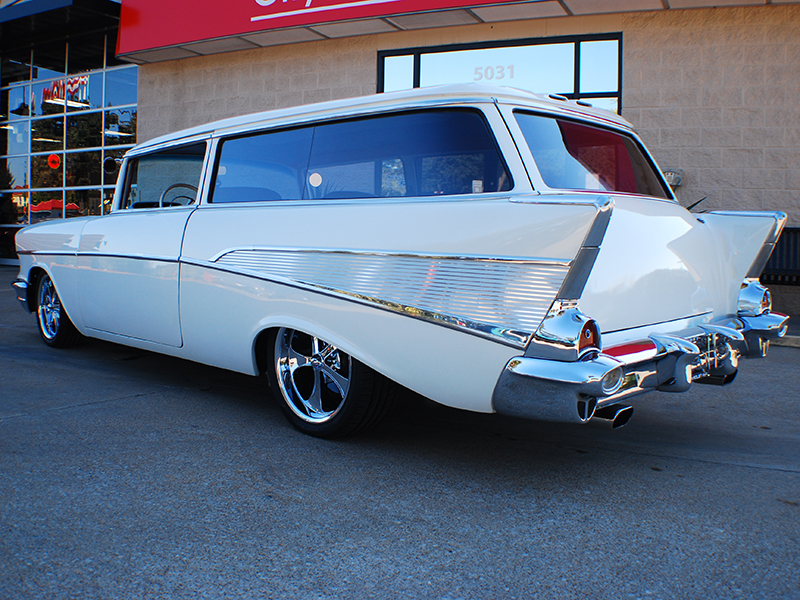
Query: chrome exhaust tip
{"points": [[613, 416]]}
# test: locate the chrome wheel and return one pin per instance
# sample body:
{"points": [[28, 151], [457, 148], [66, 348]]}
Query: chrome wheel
{"points": [[314, 376], [49, 309]]}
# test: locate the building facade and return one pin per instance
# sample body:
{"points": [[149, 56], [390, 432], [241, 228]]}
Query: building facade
{"points": [[66, 104], [712, 86]]}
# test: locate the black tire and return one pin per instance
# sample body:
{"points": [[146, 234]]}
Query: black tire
{"points": [[55, 326], [321, 390]]}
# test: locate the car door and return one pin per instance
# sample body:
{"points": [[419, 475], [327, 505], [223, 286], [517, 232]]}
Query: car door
{"points": [[128, 261]]}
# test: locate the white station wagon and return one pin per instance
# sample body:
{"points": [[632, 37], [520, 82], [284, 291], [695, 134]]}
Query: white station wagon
{"points": [[491, 249]]}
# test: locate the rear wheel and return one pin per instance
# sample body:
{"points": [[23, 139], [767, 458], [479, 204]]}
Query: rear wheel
{"points": [[323, 391], [54, 325]]}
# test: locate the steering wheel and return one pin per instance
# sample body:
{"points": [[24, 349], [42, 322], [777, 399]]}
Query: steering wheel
{"points": [[172, 187]]}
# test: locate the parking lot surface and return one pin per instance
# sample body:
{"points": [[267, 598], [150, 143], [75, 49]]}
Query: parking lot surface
{"points": [[126, 474]]}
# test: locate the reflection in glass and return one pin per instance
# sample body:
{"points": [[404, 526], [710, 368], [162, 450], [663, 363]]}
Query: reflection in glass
{"points": [[84, 130], [13, 211], [544, 68], [120, 127], [83, 168], [121, 86], [398, 73], [47, 98], [108, 200], [47, 134], [49, 61], [599, 66], [14, 137], [14, 173], [14, 69], [15, 103], [47, 205], [110, 176], [83, 92], [47, 170], [83, 202], [611, 104]]}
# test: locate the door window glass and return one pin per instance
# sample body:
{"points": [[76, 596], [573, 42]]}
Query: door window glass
{"points": [[167, 178]]}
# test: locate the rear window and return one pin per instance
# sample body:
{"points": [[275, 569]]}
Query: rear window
{"points": [[576, 156], [423, 153]]}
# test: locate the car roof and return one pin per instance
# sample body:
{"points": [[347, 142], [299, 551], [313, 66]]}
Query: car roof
{"points": [[416, 98]]}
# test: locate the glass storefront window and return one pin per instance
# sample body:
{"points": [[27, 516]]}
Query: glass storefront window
{"points": [[47, 98], [49, 60], [13, 69], [599, 66], [14, 173], [47, 170], [54, 132], [578, 67], [80, 203], [541, 68], [120, 127], [121, 86], [84, 130], [84, 92], [47, 205], [14, 137], [83, 168], [398, 73], [13, 208], [47, 134], [15, 103]]}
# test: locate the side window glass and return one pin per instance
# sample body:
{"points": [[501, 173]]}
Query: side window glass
{"points": [[576, 156], [164, 179], [266, 166], [422, 153]]}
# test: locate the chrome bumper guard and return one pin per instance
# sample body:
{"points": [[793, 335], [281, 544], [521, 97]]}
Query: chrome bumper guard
{"points": [[21, 288], [552, 390]]}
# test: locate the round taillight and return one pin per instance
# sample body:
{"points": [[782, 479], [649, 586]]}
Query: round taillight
{"points": [[766, 301], [590, 337]]}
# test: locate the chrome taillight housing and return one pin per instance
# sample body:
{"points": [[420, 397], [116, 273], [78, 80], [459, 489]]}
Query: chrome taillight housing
{"points": [[754, 299], [565, 334]]}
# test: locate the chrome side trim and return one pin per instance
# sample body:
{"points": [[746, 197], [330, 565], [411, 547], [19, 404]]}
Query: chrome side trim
{"points": [[502, 299], [21, 288]]}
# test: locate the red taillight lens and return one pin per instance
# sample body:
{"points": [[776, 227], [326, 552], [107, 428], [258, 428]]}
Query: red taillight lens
{"points": [[590, 338]]}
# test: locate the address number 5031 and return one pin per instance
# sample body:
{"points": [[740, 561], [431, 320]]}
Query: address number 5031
{"points": [[498, 72]]}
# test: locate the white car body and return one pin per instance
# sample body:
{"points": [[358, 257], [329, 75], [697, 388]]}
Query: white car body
{"points": [[466, 299]]}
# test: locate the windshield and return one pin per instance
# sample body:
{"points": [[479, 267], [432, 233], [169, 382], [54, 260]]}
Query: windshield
{"points": [[576, 156]]}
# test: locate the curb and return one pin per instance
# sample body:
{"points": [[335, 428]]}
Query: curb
{"points": [[791, 341]]}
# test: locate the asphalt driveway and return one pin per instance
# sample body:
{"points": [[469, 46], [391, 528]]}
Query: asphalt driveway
{"points": [[125, 474]]}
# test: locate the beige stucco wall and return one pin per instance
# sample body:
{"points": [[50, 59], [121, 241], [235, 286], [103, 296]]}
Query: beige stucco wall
{"points": [[712, 91]]}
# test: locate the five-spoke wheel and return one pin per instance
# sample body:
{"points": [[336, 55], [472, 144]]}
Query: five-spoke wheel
{"points": [[322, 390], [54, 324]]}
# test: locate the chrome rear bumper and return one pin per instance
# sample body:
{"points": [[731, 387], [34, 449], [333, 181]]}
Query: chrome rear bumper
{"points": [[553, 390]]}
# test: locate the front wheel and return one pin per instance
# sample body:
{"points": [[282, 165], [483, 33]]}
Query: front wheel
{"points": [[323, 391], [54, 325]]}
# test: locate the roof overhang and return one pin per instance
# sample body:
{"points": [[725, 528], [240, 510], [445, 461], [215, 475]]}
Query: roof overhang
{"points": [[154, 30], [26, 24]]}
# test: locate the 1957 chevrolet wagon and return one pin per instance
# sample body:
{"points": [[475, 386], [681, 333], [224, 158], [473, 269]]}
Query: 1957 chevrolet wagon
{"points": [[493, 250]]}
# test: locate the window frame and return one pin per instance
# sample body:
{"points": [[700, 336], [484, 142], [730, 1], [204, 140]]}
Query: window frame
{"points": [[418, 51]]}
